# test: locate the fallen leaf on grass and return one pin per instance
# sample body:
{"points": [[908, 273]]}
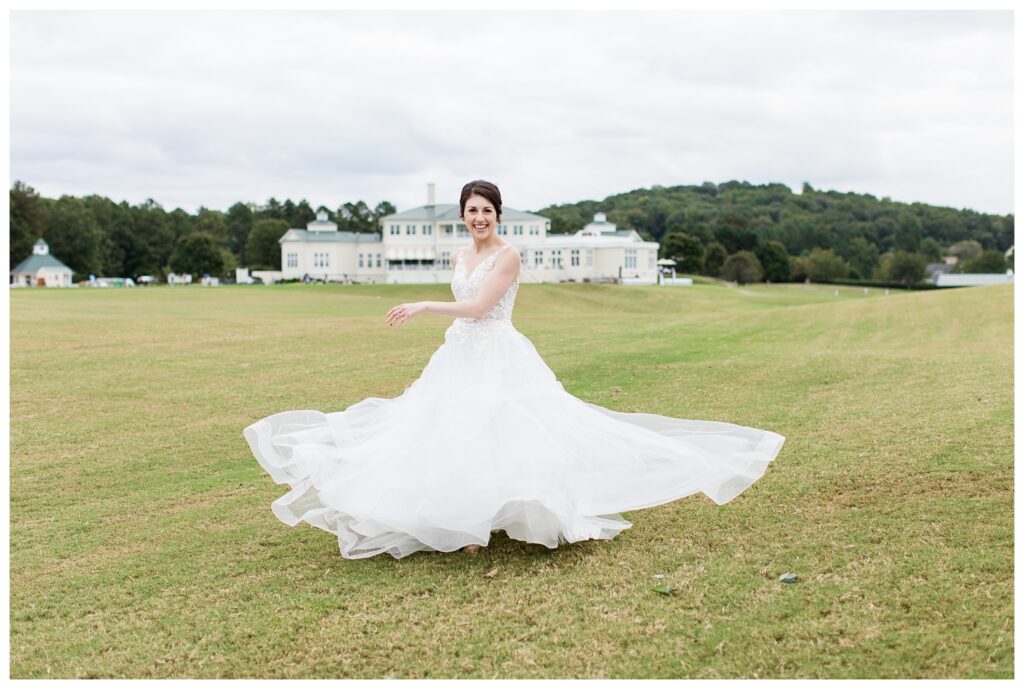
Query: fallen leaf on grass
{"points": [[492, 572], [788, 578], [665, 589]]}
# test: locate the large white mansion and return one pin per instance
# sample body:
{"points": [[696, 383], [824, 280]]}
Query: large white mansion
{"points": [[416, 246]]}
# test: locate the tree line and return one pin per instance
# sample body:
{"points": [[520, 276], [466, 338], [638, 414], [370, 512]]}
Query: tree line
{"points": [[748, 233], [97, 236], [735, 230]]}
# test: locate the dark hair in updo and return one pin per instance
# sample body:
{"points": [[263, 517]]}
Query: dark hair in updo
{"points": [[485, 189]]}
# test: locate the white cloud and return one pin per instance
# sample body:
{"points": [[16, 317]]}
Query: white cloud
{"points": [[209, 108]]}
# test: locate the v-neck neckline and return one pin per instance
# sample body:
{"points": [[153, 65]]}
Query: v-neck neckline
{"points": [[470, 273]]}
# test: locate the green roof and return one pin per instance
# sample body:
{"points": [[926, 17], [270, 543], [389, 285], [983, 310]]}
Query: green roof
{"points": [[37, 261]]}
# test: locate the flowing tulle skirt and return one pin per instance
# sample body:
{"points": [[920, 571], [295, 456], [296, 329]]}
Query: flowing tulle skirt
{"points": [[487, 440]]}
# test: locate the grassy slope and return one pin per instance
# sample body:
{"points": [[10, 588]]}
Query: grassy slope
{"points": [[142, 543]]}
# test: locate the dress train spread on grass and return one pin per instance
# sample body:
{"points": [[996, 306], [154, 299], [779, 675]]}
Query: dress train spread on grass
{"points": [[488, 440]]}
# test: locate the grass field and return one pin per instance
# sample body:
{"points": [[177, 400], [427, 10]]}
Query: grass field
{"points": [[143, 545]]}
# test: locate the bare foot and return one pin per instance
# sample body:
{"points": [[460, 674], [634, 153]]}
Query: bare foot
{"points": [[472, 548]]}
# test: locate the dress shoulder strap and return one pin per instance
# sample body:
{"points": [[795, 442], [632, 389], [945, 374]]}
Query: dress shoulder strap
{"points": [[494, 256]]}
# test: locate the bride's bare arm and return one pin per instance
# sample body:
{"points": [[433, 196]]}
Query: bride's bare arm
{"points": [[495, 284]]}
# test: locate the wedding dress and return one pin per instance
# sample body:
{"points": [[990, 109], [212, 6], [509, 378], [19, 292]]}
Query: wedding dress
{"points": [[488, 440]]}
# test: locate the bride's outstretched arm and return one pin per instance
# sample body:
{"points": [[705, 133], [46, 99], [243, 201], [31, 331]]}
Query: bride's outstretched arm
{"points": [[494, 286]]}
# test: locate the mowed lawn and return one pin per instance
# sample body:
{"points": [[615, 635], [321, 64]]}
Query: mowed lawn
{"points": [[143, 545]]}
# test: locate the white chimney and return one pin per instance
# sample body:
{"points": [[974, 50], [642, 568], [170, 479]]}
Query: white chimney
{"points": [[430, 194]]}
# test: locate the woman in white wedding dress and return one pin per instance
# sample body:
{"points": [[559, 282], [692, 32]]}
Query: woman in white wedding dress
{"points": [[488, 440]]}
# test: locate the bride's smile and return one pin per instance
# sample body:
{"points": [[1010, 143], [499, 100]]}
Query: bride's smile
{"points": [[480, 218]]}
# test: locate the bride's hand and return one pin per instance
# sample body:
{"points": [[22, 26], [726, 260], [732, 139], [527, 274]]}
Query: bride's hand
{"points": [[403, 312]]}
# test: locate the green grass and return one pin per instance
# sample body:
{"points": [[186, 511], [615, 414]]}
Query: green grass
{"points": [[143, 545]]}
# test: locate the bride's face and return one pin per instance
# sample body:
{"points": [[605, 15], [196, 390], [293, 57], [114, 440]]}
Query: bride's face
{"points": [[479, 216]]}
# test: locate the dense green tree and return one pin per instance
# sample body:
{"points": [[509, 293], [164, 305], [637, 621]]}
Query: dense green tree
{"points": [[906, 268], [685, 250], [121, 247], [302, 215], [732, 233], [356, 217], [382, 209], [987, 262], [262, 250], [931, 250], [74, 237], [180, 224], [675, 222], [212, 223], [714, 258], [862, 257], [822, 265], [199, 254], [797, 271], [156, 235], [774, 260], [908, 233], [885, 228], [228, 261], [272, 209], [803, 231], [566, 219], [689, 222], [28, 221], [288, 211], [743, 268], [239, 224]]}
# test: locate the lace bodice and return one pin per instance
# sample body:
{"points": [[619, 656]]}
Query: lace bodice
{"points": [[466, 287]]}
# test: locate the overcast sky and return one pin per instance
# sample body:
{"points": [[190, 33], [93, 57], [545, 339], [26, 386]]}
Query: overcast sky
{"points": [[199, 108]]}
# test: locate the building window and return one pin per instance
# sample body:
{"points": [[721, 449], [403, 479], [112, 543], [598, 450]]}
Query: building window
{"points": [[574, 257], [538, 259], [522, 257], [410, 229], [396, 229], [556, 258], [360, 260], [630, 258], [590, 257], [463, 231], [534, 230], [446, 259], [448, 229], [428, 229], [502, 229], [293, 260], [378, 260]]}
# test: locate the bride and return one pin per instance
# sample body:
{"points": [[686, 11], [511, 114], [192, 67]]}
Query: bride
{"points": [[488, 440]]}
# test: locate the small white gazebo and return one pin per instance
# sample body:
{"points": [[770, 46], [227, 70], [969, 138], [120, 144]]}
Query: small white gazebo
{"points": [[668, 277]]}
